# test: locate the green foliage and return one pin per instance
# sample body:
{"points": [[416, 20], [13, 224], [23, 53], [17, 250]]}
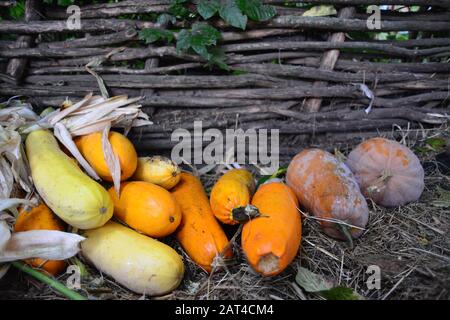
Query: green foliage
{"points": [[315, 283], [178, 9], [18, 11], [256, 10], [436, 143], [165, 18], [151, 35], [208, 8], [200, 39], [64, 3], [278, 174], [236, 12]]}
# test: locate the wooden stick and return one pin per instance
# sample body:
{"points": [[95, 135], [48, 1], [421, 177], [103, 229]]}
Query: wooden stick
{"points": [[325, 75], [16, 66], [319, 45], [440, 3], [329, 59]]}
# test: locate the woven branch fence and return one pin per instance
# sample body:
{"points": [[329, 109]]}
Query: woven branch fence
{"points": [[309, 77]]}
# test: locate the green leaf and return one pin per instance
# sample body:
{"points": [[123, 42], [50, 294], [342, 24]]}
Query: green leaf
{"points": [[65, 3], [218, 58], [311, 282], [17, 12], [256, 10], [165, 18], [436, 143], [340, 293], [151, 35], [204, 34], [200, 39], [320, 11], [280, 172], [208, 8], [230, 12], [178, 9], [184, 40], [239, 72]]}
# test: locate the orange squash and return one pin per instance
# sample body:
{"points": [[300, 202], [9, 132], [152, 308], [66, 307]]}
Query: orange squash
{"points": [[271, 241], [387, 172], [327, 188], [147, 208], [231, 195], [41, 218], [90, 147], [199, 233]]}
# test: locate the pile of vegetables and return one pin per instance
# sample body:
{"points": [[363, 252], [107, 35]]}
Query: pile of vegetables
{"points": [[80, 186]]}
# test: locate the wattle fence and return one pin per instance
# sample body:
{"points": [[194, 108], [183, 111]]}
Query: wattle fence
{"points": [[318, 79]]}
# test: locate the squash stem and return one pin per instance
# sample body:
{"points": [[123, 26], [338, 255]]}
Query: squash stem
{"points": [[244, 214], [345, 231], [58, 286]]}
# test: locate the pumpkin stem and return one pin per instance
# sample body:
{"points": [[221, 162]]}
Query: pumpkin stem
{"points": [[243, 214], [346, 232]]}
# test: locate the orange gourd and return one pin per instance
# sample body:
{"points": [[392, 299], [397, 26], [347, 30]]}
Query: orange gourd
{"points": [[327, 188], [231, 195], [41, 218], [271, 241], [147, 208], [387, 172], [199, 233], [90, 147]]}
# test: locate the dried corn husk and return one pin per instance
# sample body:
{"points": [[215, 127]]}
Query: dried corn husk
{"points": [[95, 114]]}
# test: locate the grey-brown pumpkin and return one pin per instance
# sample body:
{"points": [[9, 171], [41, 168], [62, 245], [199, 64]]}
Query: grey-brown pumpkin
{"points": [[387, 172], [326, 187]]}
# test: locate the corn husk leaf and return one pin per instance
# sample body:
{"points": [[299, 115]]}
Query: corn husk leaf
{"points": [[112, 160], [6, 179], [10, 142], [10, 203], [63, 135], [44, 244], [5, 235], [56, 116]]}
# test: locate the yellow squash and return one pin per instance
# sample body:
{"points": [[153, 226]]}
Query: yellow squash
{"points": [[140, 263], [68, 191], [158, 170]]}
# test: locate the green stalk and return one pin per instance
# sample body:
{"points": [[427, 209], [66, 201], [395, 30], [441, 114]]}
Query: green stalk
{"points": [[58, 286]]}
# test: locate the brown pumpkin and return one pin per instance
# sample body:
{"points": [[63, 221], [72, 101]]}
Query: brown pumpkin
{"points": [[327, 188], [387, 172]]}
